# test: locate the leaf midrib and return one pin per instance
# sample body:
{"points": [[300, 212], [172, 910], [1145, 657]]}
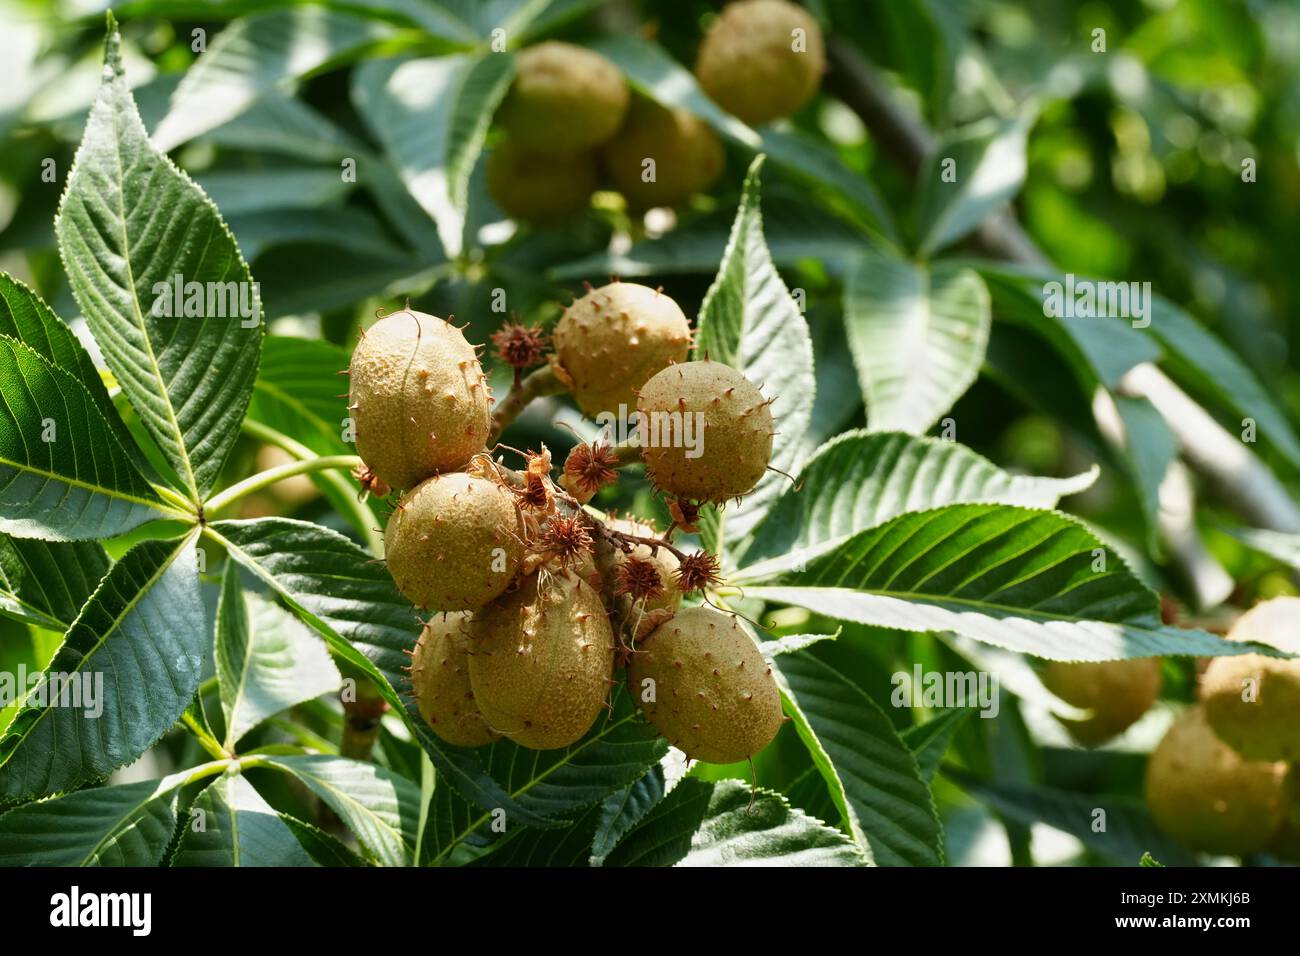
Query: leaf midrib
{"points": [[192, 484]]}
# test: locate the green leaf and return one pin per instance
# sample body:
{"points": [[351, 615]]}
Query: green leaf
{"points": [[1148, 860], [25, 317], [859, 480], [239, 828], [1128, 833], [929, 741], [1149, 449], [623, 810], [381, 808], [266, 660], [126, 670], [129, 224], [283, 124], [568, 846], [126, 825], [452, 820], [713, 824], [810, 161], [749, 321], [1276, 544], [254, 56], [432, 116], [971, 173], [297, 392], [297, 187], [792, 643], [1031, 581], [551, 785], [1099, 349], [1197, 357], [323, 848], [45, 583], [339, 590], [873, 777], [918, 334], [63, 475]]}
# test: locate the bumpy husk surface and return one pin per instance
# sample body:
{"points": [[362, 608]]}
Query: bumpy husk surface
{"points": [[542, 659], [749, 65], [440, 682], [736, 431], [688, 156], [454, 542], [418, 398], [1207, 796], [565, 98], [538, 187], [614, 338], [714, 697], [1117, 692], [1253, 701]]}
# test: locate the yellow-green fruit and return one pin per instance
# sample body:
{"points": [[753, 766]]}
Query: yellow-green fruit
{"points": [[704, 685], [725, 439], [418, 397], [537, 187], [454, 542], [1117, 693], [611, 340], [762, 59], [663, 560], [1205, 795], [542, 660], [1253, 701], [440, 680], [687, 156], [564, 99]]}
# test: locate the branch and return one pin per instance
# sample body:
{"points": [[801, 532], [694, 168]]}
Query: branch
{"points": [[537, 384]]}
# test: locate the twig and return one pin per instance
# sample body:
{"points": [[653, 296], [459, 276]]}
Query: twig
{"points": [[537, 384]]}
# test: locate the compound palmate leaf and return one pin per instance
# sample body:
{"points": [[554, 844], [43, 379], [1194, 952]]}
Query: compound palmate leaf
{"points": [[726, 824], [126, 670], [238, 828], [63, 475], [138, 239], [125, 825], [861, 479], [873, 777], [45, 583], [1030, 581]]}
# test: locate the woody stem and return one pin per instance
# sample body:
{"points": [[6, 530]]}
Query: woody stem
{"points": [[536, 384]]}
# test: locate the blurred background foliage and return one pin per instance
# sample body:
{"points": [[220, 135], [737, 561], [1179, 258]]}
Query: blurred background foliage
{"points": [[1134, 172]]}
